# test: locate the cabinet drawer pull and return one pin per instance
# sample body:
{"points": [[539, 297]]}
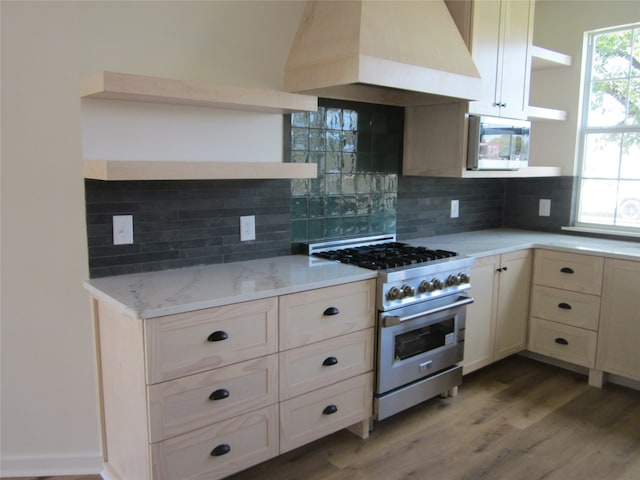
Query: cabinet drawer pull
{"points": [[221, 449], [219, 394], [330, 361], [331, 311], [564, 306], [218, 336], [329, 409], [561, 341], [566, 270]]}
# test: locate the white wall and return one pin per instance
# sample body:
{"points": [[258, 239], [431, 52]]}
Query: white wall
{"points": [[560, 25], [49, 417]]}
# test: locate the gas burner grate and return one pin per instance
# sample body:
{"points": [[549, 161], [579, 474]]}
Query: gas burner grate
{"points": [[385, 255]]}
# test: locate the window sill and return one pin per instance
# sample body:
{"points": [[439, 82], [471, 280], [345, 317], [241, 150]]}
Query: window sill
{"points": [[603, 231]]}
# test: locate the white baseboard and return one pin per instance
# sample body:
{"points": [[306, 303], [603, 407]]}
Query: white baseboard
{"points": [[50, 465]]}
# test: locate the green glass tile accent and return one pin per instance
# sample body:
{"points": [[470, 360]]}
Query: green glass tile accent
{"points": [[316, 140], [334, 119], [316, 186], [334, 206], [334, 162], [349, 205], [334, 140], [299, 187], [331, 227], [333, 184], [348, 163], [349, 120], [299, 207], [316, 207], [316, 229], [299, 231], [299, 156], [358, 150], [349, 228], [299, 139], [317, 119], [348, 184], [300, 119]]}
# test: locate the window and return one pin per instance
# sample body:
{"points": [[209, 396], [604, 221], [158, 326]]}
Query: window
{"points": [[609, 187]]}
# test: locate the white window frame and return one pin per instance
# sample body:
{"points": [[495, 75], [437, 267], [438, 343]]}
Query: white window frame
{"points": [[583, 130]]}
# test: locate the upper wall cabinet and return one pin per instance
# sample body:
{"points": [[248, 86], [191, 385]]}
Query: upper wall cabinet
{"points": [[229, 117], [500, 36]]}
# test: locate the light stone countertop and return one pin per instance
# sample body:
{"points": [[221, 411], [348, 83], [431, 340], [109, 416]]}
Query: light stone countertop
{"points": [[155, 294], [482, 243]]}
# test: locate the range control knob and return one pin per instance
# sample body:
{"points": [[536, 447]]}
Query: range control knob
{"points": [[437, 284], [408, 291], [464, 278], [426, 286], [453, 280], [394, 294]]}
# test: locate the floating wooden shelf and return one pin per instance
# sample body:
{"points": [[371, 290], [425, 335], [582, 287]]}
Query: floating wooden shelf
{"points": [[140, 88], [544, 58], [176, 170], [521, 173], [542, 113]]}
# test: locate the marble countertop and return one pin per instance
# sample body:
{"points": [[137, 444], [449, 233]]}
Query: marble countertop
{"points": [[155, 294], [481, 243]]}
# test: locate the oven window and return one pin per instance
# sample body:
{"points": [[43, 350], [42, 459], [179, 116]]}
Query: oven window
{"points": [[424, 339]]}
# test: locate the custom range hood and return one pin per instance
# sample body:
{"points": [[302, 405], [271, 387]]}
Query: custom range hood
{"points": [[396, 52]]}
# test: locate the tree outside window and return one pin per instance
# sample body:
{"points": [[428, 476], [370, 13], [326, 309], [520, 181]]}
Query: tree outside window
{"points": [[609, 194]]}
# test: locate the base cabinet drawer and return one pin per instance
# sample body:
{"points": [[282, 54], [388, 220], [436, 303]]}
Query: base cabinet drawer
{"points": [[568, 271], [219, 450], [330, 312], [320, 364], [571, 344], [195, 401], [324, 411], [563, 306], [192, 342]]}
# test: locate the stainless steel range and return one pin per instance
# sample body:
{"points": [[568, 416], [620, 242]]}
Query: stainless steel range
{"points": [[421, 301]]}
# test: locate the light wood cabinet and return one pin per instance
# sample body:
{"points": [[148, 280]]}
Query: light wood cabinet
{"points": [[565, 307], [496, 323], [501, 34], [201, 394], [619, 334]]}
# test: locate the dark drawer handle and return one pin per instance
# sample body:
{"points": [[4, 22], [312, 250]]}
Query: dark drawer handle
{"points": [[218, 336], [562, 341], [330, 361], [564, 306], [221, 449], [219, 394], [331, 311], [566, 270], [329, 409]]}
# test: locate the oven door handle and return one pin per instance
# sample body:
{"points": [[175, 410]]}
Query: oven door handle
{"points": [[391, 320]]}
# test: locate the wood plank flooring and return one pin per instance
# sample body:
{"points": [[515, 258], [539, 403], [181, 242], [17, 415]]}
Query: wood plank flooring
{"points": [[517, 419]]}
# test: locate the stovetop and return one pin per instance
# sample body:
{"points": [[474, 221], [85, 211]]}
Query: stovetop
{"points": [[406, 273], [385, 255]]}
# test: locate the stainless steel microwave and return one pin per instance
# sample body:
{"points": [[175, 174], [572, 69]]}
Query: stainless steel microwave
{"points": [[497, 143]]}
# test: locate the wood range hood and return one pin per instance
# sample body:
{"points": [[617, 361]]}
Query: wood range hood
{"points": [[381, 51]]}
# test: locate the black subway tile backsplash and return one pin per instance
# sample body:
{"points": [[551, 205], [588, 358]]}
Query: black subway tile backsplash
{"points": [[359, 192]]}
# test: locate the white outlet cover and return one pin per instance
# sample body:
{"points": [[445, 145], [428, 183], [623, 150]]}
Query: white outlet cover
{"points": [[455, 208], [544, 208], [247, 228], [122, 229]]}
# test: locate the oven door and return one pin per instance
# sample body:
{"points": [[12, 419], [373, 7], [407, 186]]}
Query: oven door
{"points": [[420, 340]]}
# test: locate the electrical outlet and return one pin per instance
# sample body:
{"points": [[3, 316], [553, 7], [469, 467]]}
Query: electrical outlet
{"points": [[544, 208], [122, 229], [455, 208], [247, 228]]}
